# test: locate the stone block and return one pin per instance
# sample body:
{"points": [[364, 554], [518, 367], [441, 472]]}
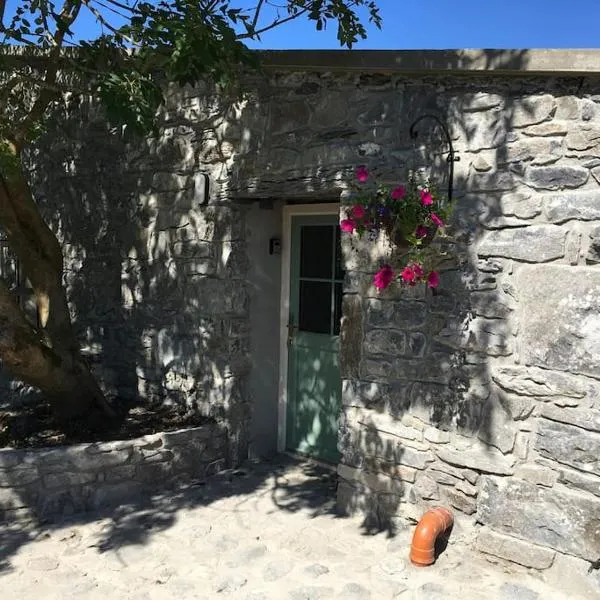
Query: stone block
{"points": [[18, 476], [556, 177], [64, 502], [490, 304], [538, 382], [111, 494], [385, 341], [567, 107], [466, 488], [559, 315], [549, 129], [398, 315], [479, 102], [497, 427], [583, 139], [561, 519], [593, 251], [481, 130], [453, 472], [98, 461], [351, 336], [458, 500], [67, 480], [489, 336], [12, 499], [416, 344], [520, 205], [425, 488], [580, 481], [531, 110], [437, 436], [586, 418], [385, 423], [374, 482], [491, 182], [486, 460], [391, 469], [120, 473], [537, 474], [569, 445], [536, 243], [514, 549], [10, 458], [581, 206]]}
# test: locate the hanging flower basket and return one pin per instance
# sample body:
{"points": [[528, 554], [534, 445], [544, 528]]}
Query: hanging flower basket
{"points": [[411, 216]]}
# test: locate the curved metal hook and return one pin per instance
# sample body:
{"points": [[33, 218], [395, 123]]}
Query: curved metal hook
{"points": [[451, 158]]}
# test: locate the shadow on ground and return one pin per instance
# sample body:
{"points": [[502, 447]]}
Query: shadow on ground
{"points": [[293, 485]]}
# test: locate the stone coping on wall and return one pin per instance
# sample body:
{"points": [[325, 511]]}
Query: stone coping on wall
{"points": [[47, 483], [485, 61]]}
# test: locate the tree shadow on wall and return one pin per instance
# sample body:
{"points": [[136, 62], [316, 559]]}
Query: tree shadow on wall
{"points": [[156, 279]]}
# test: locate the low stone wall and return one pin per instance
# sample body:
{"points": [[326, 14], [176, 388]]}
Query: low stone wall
{"points": [[54, 482]]}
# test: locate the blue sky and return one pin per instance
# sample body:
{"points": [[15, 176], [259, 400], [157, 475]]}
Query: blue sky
{"points": [[418, 24]]}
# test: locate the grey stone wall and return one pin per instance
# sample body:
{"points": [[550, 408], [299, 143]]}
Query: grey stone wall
{"points": [[49, 483], [483, 397]]}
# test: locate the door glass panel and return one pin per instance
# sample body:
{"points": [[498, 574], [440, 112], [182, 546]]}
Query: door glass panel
{"points": [[316, 251], [315, 306], [337, 313]]}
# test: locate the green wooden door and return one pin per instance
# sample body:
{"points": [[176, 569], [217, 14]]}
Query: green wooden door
{"points": [[314, 383]]}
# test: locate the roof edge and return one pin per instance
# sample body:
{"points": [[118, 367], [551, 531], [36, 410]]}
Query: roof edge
{"points": [[576, 62]]}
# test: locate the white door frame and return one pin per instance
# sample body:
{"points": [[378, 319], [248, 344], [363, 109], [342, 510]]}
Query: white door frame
{"points": [[290, 211]]}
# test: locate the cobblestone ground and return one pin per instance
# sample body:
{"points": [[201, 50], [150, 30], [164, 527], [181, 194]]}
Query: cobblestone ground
{"points": [[266, 533]]}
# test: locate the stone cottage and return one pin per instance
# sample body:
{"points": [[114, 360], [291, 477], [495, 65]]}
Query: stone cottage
{"points": [[207, 267]]}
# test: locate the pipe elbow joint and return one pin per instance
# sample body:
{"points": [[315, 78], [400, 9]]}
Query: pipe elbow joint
{"points": [[433, 523]]}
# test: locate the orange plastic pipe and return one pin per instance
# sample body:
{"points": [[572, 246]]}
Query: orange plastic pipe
{"points": [[433, 523]]}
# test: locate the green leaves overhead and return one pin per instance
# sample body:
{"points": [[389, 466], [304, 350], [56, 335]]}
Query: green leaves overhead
{"points": [[140, 44]]}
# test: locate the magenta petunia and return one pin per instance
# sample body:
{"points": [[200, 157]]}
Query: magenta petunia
{"points": [[418, 271], [436, 220], [398, 192], [362, 174], [426, 198], [421, 232], [383, 277], [347, 225], [358, 211], [433, 279], [407, 275]]}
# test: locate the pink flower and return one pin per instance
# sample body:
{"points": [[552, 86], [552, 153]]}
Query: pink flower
{"points": [[433, 279], [407, 275], [383, 277], [358, 211], [426, 198], [347, 225], [362, 174], [418, 271], [421, 232], [437, 221], [398, 192]]}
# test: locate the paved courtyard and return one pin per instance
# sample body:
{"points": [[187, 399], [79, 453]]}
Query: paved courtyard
{"points": [[268, 532]]}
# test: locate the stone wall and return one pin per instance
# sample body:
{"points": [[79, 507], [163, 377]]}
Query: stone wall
{"points": [[483, 397], [48, 483]]}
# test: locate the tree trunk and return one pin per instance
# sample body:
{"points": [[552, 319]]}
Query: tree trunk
{"points": [[47, 355]]}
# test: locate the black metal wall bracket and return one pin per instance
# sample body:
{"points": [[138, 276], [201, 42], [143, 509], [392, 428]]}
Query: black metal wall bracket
{"points": [[451, 158]]}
